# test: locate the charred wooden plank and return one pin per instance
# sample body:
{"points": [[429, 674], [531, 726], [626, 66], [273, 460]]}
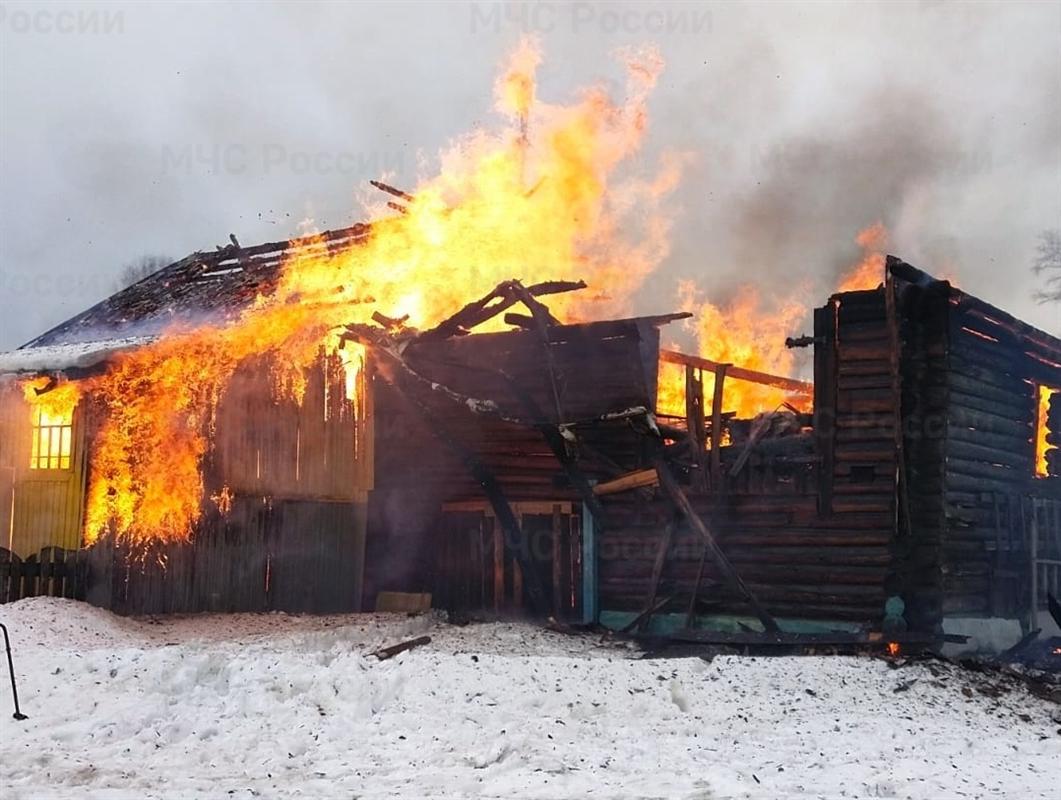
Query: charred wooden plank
{"points": [[631, 480], [739, 373], [383, 187], [500, 299], [678, 497], [396, 649], [721, 371]]}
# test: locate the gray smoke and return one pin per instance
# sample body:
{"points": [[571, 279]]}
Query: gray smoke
{"points": [[164, 129]]}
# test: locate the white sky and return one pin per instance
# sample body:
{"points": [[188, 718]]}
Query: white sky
{"points": [[155, 128]]}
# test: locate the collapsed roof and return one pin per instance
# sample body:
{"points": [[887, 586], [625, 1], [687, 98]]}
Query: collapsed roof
{"points": [[203, 286]]}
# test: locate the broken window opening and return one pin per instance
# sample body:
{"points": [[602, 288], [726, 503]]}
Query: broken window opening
{"points": [[1048, 432]]}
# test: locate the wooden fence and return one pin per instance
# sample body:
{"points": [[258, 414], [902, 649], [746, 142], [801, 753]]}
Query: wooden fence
{"points": [[292, 556], [53, 572]]}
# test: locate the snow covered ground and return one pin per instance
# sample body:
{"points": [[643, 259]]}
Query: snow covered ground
{"points": [[279, 706]]}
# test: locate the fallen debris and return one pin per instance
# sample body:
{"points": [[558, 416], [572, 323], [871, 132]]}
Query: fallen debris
{"points": [[395, 649]]}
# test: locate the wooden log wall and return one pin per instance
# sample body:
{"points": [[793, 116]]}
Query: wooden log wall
{"points": [[864, 448], [809, 520], [799, 563], [994, 367], [472, 573]]}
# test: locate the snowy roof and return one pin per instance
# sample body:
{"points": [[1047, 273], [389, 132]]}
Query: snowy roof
{"points": [[49, 358]]}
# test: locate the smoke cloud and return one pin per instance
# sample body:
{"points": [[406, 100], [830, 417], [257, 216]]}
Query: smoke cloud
{"points": [[165, 129]]}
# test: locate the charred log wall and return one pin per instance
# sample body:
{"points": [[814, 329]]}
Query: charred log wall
{"points": [[994, 368], [923, 332], [799, 563], [808, 522]]}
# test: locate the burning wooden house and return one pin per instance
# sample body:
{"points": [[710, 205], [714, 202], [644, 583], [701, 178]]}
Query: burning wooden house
{"points": [[530, 469]]}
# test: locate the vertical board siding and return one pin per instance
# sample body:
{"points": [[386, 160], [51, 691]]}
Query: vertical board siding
{"points": [[293, 540]]}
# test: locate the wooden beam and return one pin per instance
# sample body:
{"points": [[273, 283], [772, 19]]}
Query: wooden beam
{"points": [[631, 480], [677, 496], [716, 426], [396, 649], [694, 421], [690, 617], [558, 573], [501, 298], [648, 612], [740, 373]]}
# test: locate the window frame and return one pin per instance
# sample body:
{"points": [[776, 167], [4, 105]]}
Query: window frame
{"points": [[60, 430]]}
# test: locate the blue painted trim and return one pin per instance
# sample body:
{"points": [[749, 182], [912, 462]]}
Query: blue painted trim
{"points": [[590, 597]]}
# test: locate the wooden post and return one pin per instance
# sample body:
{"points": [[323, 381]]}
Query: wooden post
{"points": [[517, 584], [716, 427], [691, 615], [589, 567], [558, 564], [677, 496], [894, 355], [825, 387], [499, 565], [1033, 556], [694, 420]]}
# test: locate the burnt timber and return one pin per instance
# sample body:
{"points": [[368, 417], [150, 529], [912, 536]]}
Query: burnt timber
{"points": [[527, 470]]}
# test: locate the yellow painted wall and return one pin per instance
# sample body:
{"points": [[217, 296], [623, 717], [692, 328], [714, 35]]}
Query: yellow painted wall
{"points": [[38, 508]]}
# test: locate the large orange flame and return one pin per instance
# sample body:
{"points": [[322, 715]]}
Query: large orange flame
{"points": [[538, 199], [743, 333], [747, 334], [869, 272]]}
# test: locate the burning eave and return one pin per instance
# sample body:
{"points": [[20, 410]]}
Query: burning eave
{"points": [[66, 358]]}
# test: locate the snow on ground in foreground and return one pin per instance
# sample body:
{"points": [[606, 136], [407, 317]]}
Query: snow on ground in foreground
{"points": [[280, 706]]}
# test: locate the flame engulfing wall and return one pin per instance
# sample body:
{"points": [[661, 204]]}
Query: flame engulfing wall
{"points": [[539, 198]]}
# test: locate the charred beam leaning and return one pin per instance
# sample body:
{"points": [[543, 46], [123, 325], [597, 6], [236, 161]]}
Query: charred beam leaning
{"points": [[670, 485], [739, 373], [384, 187]]}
